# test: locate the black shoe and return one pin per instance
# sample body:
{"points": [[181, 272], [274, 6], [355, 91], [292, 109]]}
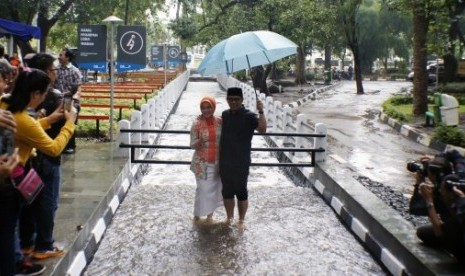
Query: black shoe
{"points": [[69, 151], [29, 269]]}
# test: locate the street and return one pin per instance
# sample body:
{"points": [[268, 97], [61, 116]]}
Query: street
{"points": [[357, 138]]}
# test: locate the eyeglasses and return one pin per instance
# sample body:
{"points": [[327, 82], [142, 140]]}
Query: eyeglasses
{"points": [[233, 99]]}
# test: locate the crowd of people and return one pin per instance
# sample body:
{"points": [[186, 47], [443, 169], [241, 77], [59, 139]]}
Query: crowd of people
{"points": [[32, 110]]}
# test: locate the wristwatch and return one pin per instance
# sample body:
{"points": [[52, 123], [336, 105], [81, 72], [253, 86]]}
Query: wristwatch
{"points": [[260, 112]]}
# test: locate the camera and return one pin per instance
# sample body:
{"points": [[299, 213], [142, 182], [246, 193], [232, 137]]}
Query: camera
{"points": [[7, 143], [67, 100], [415, 166], [455, 182]]}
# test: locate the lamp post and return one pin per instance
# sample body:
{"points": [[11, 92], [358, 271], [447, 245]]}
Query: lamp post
{"points": [[112, 20]]}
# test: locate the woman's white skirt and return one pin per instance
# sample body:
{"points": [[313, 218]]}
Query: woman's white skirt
{"points": [[208, 193]]}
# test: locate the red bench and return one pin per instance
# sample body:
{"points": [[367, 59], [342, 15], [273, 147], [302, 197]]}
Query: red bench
{"points": [[127, 97], [100, 105], [96, 117]]}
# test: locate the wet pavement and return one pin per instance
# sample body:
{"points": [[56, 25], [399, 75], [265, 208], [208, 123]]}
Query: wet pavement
{"points": [[289, 229], [358, 138], [87, 176], [161, 236]]}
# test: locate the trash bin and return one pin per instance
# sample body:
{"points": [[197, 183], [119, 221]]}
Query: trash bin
{"points": [[437, 109], [449, 110], [327, 77]]}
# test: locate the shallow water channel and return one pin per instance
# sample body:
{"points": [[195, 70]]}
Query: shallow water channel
{"points": [[289, 229]]}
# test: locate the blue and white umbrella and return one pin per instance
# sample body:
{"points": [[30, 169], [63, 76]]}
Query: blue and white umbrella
{"points": [[244, 51]]}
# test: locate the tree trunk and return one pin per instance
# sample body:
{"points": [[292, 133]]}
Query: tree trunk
{"points": [[328, 58], [357, 69], [300, 66], [420, 79]]}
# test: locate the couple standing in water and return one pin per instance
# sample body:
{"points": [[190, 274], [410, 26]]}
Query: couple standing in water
{"points": [[221, 158]]}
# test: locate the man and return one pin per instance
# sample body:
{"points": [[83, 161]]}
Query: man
{"points": [[69, 81], [447, 213], [239, 125], [39, 217]]}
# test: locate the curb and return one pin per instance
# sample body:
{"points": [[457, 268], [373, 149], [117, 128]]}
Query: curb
{"points": [[311, 96], [417, 136]]}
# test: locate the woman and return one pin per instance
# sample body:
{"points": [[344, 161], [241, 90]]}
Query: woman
{"points": [[205, 138], [29, 92]]}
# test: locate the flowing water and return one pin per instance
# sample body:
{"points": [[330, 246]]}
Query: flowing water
{"points": [[289, 230]]}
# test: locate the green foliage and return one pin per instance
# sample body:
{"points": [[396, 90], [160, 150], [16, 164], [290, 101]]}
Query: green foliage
{"points": [[392, 108], [451, 88], [240, 75], [183, 28], [399, 100], [449, 135]]}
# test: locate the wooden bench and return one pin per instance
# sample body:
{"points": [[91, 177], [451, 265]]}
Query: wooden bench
{"points": [[100, 105], [120, 92], [141, 86], [108, 97], [96, 117]]}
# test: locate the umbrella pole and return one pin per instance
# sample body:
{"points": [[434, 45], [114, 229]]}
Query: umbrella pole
{"points": [[250, 70]]}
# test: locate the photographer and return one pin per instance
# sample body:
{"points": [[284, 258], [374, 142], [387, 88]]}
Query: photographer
{"points": [[445, 201]]}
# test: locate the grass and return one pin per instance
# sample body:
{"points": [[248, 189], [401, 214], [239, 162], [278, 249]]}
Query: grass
{"points": [[407, 111], [87, 128], [400, 108]]}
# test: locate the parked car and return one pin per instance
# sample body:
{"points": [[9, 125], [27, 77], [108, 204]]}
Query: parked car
{"points": [[431, 69]]}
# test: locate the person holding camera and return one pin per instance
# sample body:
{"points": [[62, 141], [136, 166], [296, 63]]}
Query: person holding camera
{"points": [[445, 203], [9, 201], [38, 219]]}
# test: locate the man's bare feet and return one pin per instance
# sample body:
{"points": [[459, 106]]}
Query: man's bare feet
{"points": [[241, 225], [210, 218]]}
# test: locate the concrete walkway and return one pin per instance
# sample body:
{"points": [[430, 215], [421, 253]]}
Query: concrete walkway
{"points": [[89, 174]]}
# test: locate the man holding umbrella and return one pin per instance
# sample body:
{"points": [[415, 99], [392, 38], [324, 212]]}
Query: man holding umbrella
{"points": [[239, 125]]}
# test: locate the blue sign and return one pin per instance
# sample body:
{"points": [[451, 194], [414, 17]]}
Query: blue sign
{"points": [[157, 55], [92, 47], [131, 48]]}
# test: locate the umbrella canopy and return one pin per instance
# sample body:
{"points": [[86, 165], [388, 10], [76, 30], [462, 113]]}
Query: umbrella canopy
{"points": [[244, 51]]}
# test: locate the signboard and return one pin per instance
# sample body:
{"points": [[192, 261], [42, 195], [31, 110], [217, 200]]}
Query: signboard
{"points": [[131, 48], [174, 56], [92, 47], [157, 55]]}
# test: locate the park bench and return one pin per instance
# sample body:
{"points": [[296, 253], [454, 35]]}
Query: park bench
{"points": [[96, 117], [102, 105], [120, 92], [108, 97]]}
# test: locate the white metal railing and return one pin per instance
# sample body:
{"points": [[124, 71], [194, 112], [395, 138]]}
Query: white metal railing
{"points": [[154, 113]]}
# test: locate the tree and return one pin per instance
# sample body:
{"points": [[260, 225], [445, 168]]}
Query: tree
{"points": [[50, 12], [348, 15], [422, 12]]}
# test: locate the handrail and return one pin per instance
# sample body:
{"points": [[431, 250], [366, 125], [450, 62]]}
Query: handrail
{"points": [[133, 147]]}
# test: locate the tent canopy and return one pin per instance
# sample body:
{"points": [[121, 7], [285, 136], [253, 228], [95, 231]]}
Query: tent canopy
{"points": [[19, 30]]}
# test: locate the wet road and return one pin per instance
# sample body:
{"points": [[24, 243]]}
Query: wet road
{"points": [[360, 141], [289, 229]]}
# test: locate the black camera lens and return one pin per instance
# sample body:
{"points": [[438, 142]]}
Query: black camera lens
{"points": [[414, 166]]}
